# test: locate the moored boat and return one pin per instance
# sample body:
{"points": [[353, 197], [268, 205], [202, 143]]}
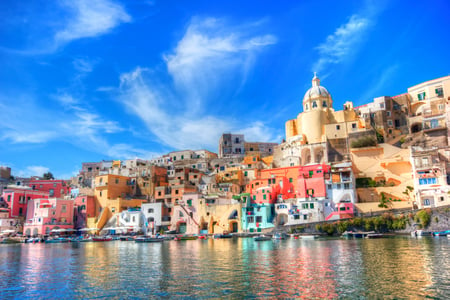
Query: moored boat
{"points": [[185, 238], [8, 240], [148, 239], [441, 233], [105, 238], [309, 237], [262, 237], [279, 236], [57, 240], [374, 235]]}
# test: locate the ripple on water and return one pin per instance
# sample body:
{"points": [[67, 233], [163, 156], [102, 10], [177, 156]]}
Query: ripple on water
{"points": [[325, 269]]}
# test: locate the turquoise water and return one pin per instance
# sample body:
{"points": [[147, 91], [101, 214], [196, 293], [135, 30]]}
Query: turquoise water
{"points": [[390, 268]]}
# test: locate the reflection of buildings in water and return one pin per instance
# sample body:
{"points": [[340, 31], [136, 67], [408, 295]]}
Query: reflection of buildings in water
{"points": [[303, 270], [402, 263]]}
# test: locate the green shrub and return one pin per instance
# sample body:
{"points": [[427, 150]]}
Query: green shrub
{"points": [[424, 217], [367, 141]]}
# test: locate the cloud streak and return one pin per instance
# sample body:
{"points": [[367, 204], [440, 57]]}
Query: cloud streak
{"points": [[72, 20], [342, 43], [207, 55]]}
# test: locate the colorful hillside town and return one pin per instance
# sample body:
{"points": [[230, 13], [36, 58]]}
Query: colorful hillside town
{"points": [[333, 164]]}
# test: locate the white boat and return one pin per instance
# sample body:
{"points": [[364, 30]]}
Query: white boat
{"points": [[279, 236], [309, 237]]}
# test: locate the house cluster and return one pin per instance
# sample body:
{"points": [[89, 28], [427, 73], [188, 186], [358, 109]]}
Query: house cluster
{"points": [[331, 165]]}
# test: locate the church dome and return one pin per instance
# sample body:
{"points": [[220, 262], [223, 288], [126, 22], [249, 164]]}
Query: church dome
{"points": [[317, 96]]}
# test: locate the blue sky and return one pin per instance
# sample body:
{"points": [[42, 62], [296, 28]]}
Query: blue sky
{"points": [[83, 81]]}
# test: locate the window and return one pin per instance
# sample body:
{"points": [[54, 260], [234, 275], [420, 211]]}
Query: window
{"points": [[388, 113], [434, 123], [305, 217], [314, 104], [441, 198], [304, 205], [310, 192], [338, 127], [306, 107], [182, 156], [258, 219], [381, 105], [424, 181], [20, 211], [439, 92], [54, 185], [441, 106], [311, 205], [421, 96], [264, 196], [245, 173], [324, 103], [426, 202], [353, 125], [64, 208], [176, 192], [51, 193], [40, 186], [346, 186], [310, 173], [338, 186], [134, 219], [250, 219], [389, 122], [290, 179], [150, 210], [34, 187], [151, 219], [117, 180], [9, 198], [180, 214]]}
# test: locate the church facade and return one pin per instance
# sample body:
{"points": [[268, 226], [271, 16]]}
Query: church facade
{"points": [[320, 134]]}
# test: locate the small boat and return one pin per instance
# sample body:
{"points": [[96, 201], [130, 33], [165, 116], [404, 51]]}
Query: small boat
{"points": [[224, 235], [105, 238], [441, 233], [420, 233], [374, 235], [33, 240], [57, 240], [8, 240], [309, 237], [262, 237], [148, 239], [81, 239], [279, 236], [202, 237], [185, 238]]}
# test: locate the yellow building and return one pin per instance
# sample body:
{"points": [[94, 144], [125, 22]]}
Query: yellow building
{"points": [[319, 134], [113, 194]]}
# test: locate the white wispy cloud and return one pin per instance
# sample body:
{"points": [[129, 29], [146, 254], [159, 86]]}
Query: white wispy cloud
{"points": [[208, 52], [90, 19], [67, 21], [26, 122], [83, 65], [342, 43], [32, 171], [200, 65]]}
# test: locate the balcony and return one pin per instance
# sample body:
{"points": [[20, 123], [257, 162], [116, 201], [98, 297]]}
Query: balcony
{"points": [[57, 223]]}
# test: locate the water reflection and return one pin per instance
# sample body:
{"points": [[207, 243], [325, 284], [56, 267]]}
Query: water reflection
{"points": [[228, 268]]}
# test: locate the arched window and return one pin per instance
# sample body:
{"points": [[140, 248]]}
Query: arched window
{"points": [[324, 103], [314, 104], [306, 107]]}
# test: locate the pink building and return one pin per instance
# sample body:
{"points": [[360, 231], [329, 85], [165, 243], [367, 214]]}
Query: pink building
{"points": [[269, 190], [17, 198], [343, 211], [55, 188], [311, 181], [44, 215], [84, 208]]}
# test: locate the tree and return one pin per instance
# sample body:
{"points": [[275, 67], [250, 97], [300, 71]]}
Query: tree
{"points": [[48, 176], [384, 202]]}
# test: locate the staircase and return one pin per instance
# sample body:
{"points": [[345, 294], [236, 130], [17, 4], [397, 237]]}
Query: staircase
{"points": [[189, 215]]}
